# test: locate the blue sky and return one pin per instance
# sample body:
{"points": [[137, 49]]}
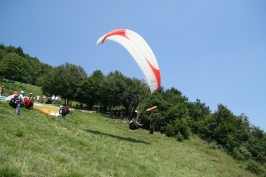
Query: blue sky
{"points": [[212, 50]]}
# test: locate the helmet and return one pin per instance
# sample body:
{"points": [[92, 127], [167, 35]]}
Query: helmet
{"points": [[30, 93], [21, 92]]}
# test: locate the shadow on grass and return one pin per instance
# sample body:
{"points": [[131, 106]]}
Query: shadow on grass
{"points": [[117, 137]]}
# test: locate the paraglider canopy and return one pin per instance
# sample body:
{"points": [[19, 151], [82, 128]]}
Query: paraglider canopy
{"points": [[140, 51]]}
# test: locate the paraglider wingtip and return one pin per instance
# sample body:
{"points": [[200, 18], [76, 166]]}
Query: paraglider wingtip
{"points": [[100, 41]]}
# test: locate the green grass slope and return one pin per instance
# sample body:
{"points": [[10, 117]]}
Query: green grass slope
{"points": [[84, 144], [10, 87], [35, 144]]}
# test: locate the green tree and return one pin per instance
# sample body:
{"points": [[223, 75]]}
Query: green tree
{"points": [[112, 87], [63, 80], [14, 67], [2, 51], [88, 91], [257, 144], [10, 49], [36, 66], [197, 112], [181, 126], [20, 52], [174, 96], [203, 109], [157, 116], [178, 111], [2, 46], [134, 93], [42, 71]]}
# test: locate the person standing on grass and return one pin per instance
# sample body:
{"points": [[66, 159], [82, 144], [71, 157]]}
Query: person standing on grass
{"points": [[53, 97], [20, 102], [1, 90], [56, 99], [44, 99], [38, 98]]}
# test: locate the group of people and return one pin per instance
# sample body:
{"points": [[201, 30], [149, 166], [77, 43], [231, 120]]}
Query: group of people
{"points": [[56, 99], [53, 99], [20, 100]]}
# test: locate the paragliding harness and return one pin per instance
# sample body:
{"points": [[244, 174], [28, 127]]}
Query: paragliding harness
{"points": [[14, 101], [133, 125], [29, 103], [64, 110]]}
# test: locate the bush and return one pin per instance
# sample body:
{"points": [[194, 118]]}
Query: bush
{"points": [[254, 167], [181, 126], [169, 130], [213, 145], [179, 137], [237, 155], [243, 150]]}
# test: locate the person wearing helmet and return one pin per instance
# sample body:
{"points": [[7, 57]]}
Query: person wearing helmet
{"points": [[21, 102]]}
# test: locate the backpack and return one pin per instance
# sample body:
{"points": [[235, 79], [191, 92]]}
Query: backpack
{"points": [[14, 101]]}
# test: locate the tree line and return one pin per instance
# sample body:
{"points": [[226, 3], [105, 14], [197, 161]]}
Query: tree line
{"points": [[175, 115], [15, 65]]}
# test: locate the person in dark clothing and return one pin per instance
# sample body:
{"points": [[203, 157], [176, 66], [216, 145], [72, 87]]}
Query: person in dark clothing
{"points": [[133, 124], [64, 110]]}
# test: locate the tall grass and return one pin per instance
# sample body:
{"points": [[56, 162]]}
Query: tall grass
{"points": [[35, 144]]}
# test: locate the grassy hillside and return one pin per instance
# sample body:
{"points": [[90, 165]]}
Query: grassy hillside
{"points": [[84, 144], [10, 87]]}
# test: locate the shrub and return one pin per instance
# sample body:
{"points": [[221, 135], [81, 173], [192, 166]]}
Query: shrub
{"points": [[179, 137], [237, 155], [254, 167], [244, 151], [181, 126], [169, 130], [213, 145]]}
